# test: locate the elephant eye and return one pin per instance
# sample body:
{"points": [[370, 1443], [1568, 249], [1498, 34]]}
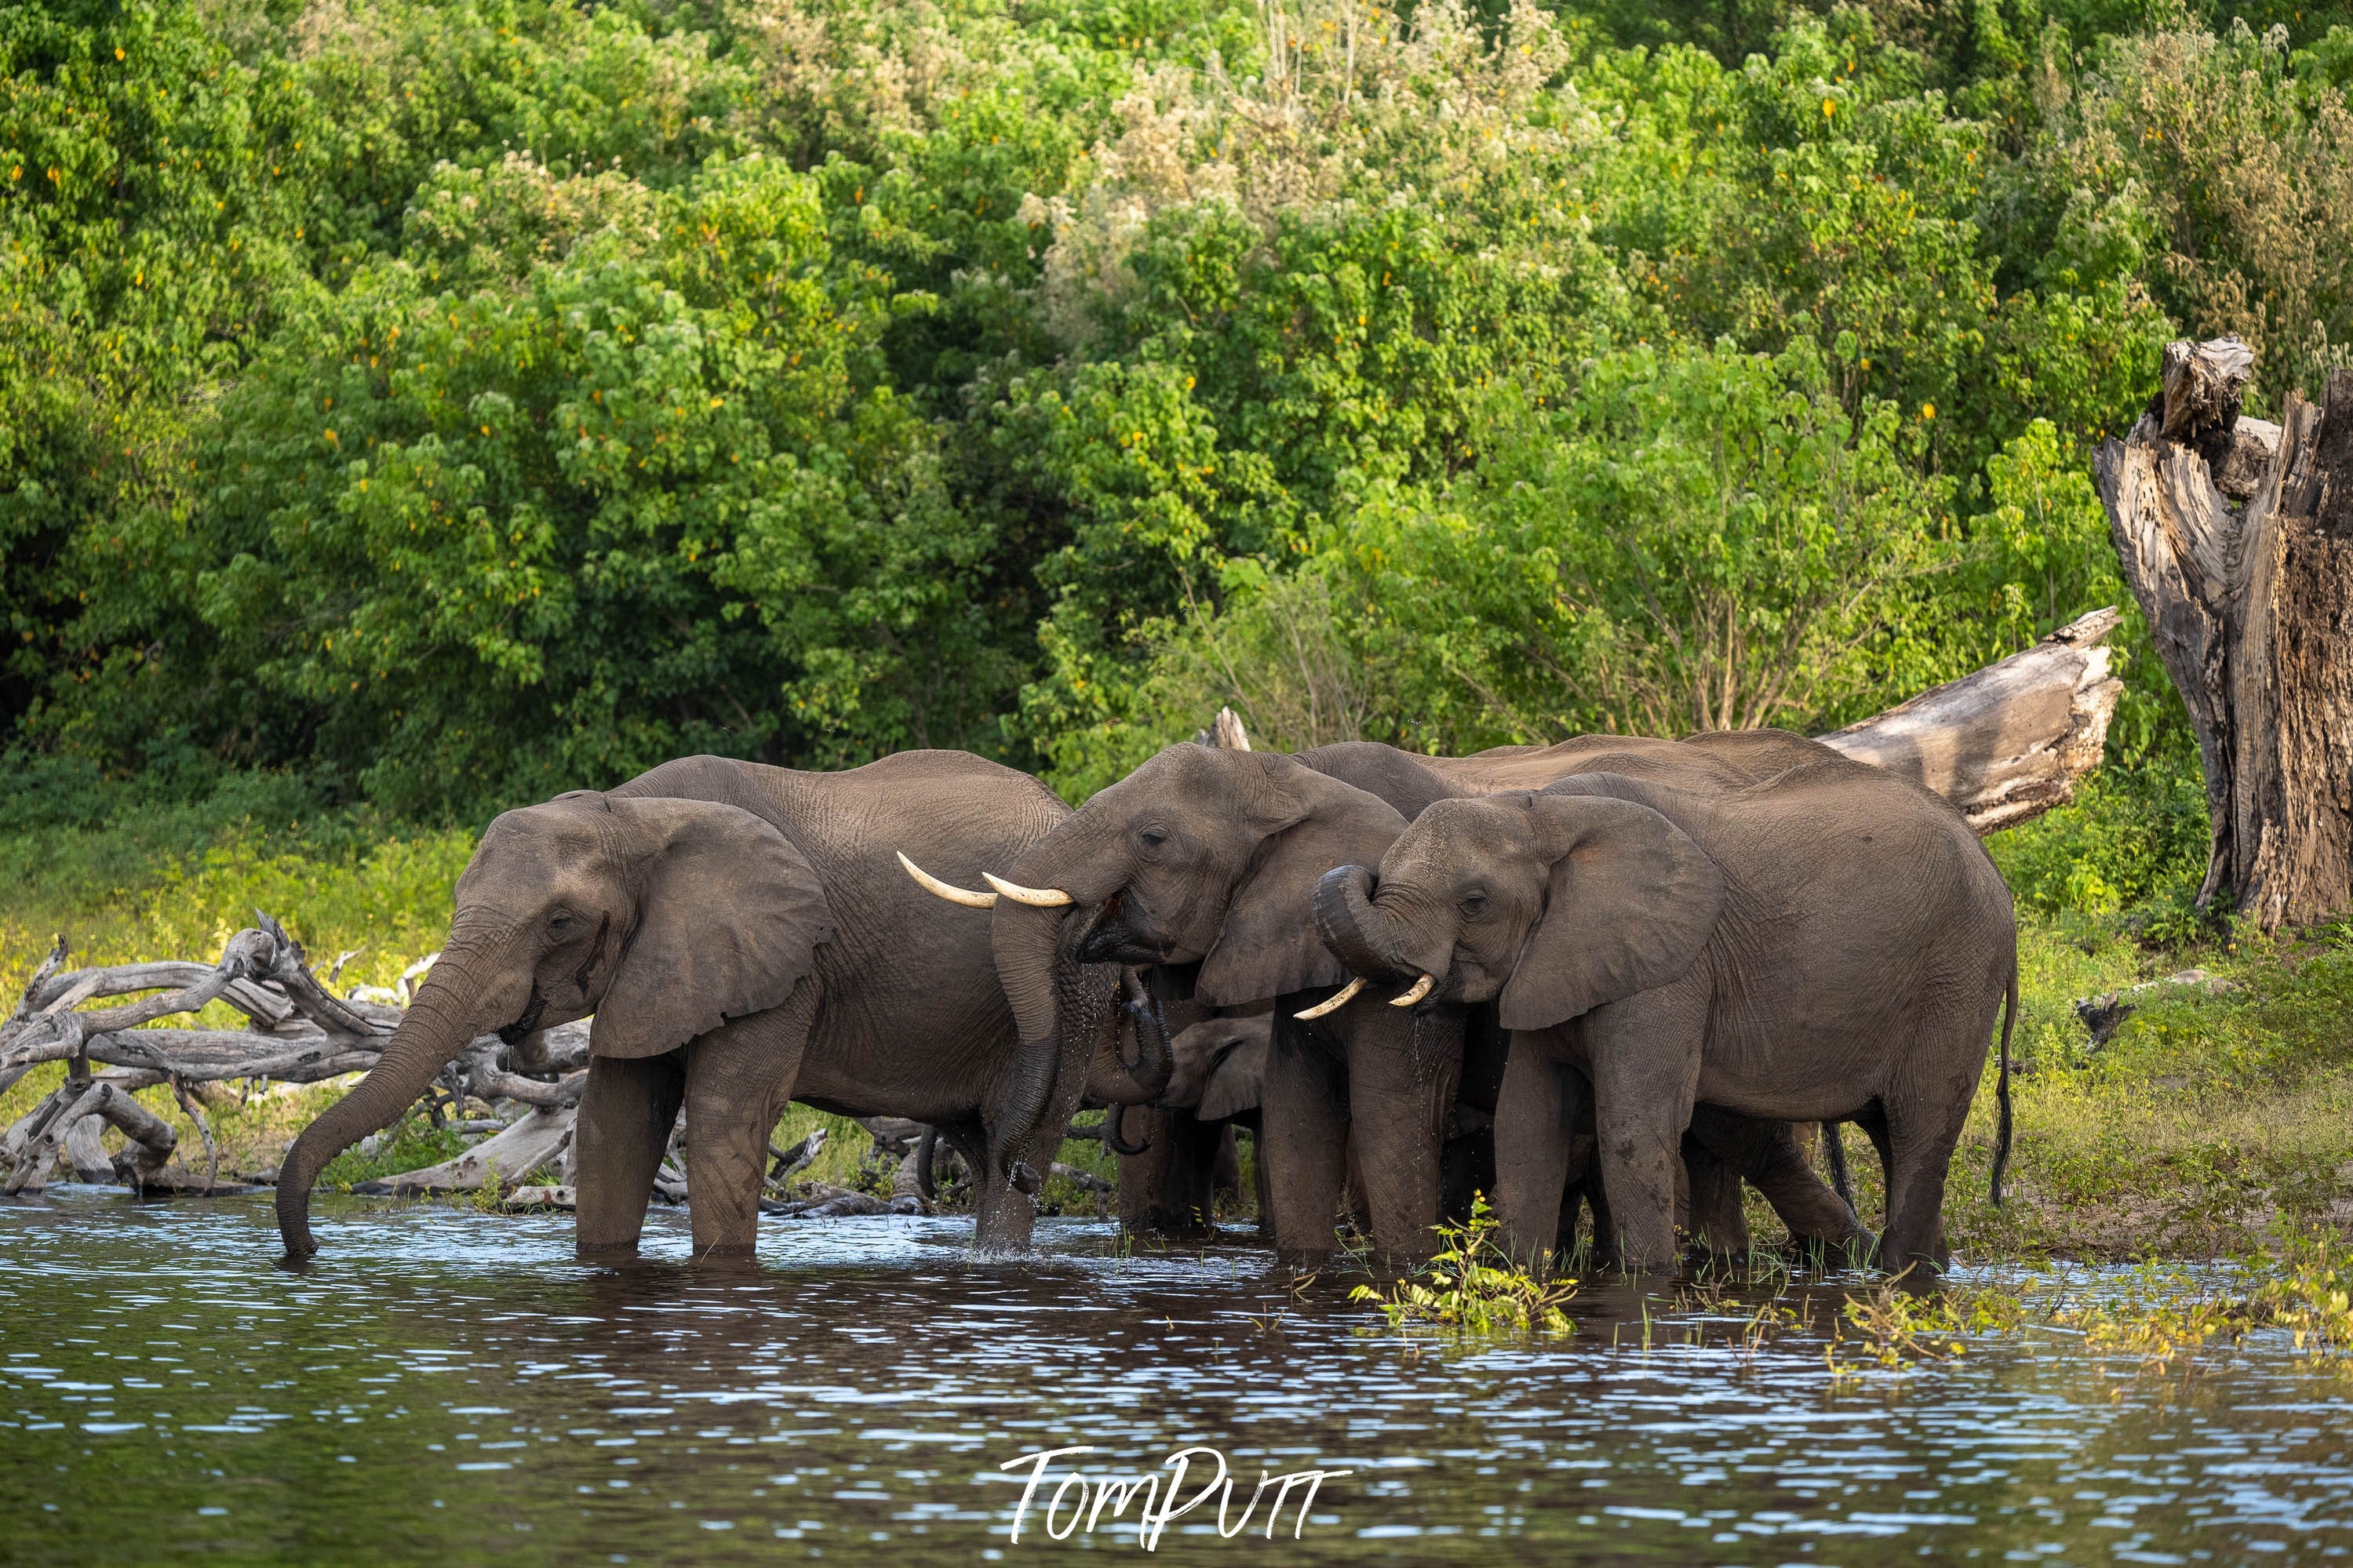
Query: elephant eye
{"points": [[559, 923], [1154, 838], [1474, 901]]}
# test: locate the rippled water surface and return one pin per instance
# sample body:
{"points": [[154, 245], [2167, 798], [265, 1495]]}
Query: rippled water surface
{"points": [[452, 1387]]}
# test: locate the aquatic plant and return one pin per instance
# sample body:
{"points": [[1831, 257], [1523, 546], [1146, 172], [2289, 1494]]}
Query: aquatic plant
{"points": [[1473, 1287], [1895, 1328]]}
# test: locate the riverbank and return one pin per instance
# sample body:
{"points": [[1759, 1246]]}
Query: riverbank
{"points": [[2216, 1118]]}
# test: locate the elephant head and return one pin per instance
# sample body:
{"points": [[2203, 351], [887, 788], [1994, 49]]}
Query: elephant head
{"points": [[1221, 1066], [1554, 902], [662, 918], [1202, 855]]}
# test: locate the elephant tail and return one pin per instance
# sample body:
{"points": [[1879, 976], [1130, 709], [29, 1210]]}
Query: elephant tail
{"points": [[1835, 1146], [2001, 1088]]}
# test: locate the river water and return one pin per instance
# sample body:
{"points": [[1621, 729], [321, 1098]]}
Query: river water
{"points": [[450, 1387]]}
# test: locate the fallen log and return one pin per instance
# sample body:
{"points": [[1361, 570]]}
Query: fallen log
{"points": [[2236, 536], [2006, 742], [299, 1032], [539, 1139]]}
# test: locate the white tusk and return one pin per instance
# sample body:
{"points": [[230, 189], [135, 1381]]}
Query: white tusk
{"points": [[947, 890], [1421, 989], [1335, 1002], [1042, 898]]}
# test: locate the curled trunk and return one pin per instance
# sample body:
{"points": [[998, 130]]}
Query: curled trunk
{"points": [[1353, 929], [1115, 1134], [1155, 1060]]}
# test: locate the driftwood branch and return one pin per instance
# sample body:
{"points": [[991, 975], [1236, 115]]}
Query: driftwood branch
{"points": [[298, 1031], [2236, 535], [539, 1139]]}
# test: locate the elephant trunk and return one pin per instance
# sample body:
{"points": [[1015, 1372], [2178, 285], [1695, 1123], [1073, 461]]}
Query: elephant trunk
{"points": [[1155, 1060], [1029, 943], [1033, 967], [1357, 933], [448, 1015], [1114, 1134]]}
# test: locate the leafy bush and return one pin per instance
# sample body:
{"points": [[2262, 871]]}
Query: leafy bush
{"points": [[2135, 840]]}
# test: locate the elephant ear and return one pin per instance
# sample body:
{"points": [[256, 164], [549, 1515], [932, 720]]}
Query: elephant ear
{"points": [[1237, 1080], [729, 919], [1268, 946], [1629, 904]]}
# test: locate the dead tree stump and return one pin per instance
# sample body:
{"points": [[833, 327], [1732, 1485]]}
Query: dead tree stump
{"points": [[2237, 538]]}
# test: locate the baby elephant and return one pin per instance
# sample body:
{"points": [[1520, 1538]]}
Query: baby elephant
{"points": [[1831, 942]]}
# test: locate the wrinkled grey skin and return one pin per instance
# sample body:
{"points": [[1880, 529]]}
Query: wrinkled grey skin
{"points": [[744, 936], [1203, 859], [1219, 887], [1830, 943], [1219, 1067], [1723, 1150], [1170, 1184]]}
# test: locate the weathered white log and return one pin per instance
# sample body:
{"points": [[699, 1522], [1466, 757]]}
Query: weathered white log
{"points": [[301, 1033], [2006, 742], [2236, 536], [68, 1122], [790, 1162], [560, 1197], [532, 1143], [254, 998]]}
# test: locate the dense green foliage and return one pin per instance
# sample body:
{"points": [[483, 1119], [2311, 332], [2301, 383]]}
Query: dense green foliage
{"points": [[441, 403]]}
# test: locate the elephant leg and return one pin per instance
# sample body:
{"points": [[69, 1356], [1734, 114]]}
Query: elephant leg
{"points": [[739, 1079], [1715, 1221], [1646, 1056], [1466, 1169], [1143, 1177], [1303, 1141], [1259, 1194], [627, 1111], [1768, 1154], [1920, 1146], [1538, 1113], [1402, 1072], [1356, 1209], [1189, 1190], [1225, 1167], [1872, 1120]]}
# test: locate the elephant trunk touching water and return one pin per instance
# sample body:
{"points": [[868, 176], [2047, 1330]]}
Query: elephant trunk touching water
{"points": [[1033, 942], [452, 1009], [692, 912]]}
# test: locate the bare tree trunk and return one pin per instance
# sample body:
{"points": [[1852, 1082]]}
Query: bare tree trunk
{"points": [[2237, 537]]}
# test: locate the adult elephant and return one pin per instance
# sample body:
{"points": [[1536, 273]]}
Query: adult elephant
{"points": [[1829, 944], [743, 936], [1201, 863]]}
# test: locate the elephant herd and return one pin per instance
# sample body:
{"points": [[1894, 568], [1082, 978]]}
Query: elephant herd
{"points": [[1613, 973]]}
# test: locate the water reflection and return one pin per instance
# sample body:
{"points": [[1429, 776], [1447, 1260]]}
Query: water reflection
{"points": [[452, 1387]]}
